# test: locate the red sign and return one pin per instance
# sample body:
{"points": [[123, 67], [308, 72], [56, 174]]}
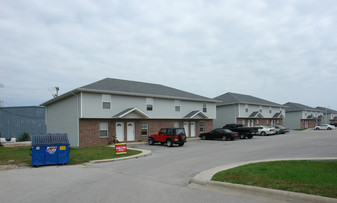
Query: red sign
{"points": [[120, 148]]}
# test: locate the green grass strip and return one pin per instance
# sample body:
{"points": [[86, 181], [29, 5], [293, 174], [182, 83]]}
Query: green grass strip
{"points": [[10, 156], [310, 177]]}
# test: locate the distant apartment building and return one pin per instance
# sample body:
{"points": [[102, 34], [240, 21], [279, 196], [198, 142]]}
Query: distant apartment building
{"points": [[300, 116], [247, 110]]}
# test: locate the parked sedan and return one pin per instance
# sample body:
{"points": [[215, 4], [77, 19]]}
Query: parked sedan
{"points": [[219, 133], [266, 130], [324, 127], [280, 129]]}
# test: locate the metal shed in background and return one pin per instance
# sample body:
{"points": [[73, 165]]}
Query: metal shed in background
{"points": [[14, 121], [49, 149]]}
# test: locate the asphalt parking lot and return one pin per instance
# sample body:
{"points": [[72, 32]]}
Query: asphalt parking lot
{"points": [[163, 176]]}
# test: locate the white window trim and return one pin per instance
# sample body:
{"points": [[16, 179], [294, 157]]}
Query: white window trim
{"points": [[177, 103], [203, 126], [147, 128], [106, 98], [103, 128], [149, 102]]}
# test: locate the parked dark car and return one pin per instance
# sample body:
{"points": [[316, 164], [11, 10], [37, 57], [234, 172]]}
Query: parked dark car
{"points": [[219, 133], [280, 129], [334, 124], [244, 132]]}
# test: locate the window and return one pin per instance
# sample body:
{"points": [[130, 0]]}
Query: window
{"points": [[257, 122], [106, 100], [149, 104], [103, 129], [202, 127], [246, 106], [204, 107], [144, 128], [163, 131], [177, 105], [260, 109]]}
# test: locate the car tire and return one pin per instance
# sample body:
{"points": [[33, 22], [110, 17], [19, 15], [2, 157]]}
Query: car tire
{"points": [[242, 136], [203, 137], [263, 133], [151, 141], [329, 128], [169, 143], [316, 128], [224, 138]]}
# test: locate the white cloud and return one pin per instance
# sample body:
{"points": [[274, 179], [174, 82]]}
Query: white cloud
{"points": [[277, 50]]}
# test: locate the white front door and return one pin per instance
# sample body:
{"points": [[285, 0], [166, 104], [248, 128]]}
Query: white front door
{"points": [[187, 132], [130, 131], [193, 129], [120, 131]]}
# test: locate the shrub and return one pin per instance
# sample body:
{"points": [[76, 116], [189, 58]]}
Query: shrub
{"points": [[24, 137]]}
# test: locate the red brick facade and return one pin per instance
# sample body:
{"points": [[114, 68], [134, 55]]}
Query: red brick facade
{"points": [[260, 121], [309, 123], [89, 129]]}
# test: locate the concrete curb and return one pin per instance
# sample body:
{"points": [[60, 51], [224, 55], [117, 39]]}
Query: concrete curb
{"points": [[204, 179], [143, 153]]}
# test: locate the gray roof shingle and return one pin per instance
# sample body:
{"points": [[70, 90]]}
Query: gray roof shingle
{"points": [[141, 88], [326, 109], [290, 106], [234, 98]]}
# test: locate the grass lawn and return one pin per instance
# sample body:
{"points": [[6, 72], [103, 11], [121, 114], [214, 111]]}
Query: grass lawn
{"points": [[77, 155], [311, 177]]}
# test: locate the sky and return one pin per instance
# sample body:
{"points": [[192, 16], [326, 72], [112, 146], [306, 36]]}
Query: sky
{"points": [[280, 50]]}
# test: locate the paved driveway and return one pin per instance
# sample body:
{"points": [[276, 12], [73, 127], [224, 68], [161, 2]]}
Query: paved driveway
{"points": [[161, 177]]}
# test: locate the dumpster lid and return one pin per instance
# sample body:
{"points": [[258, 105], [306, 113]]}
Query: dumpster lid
{"points": [[49, 138]]}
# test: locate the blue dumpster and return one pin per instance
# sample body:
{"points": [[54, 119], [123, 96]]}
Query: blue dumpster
{"points": [[49, 149]]}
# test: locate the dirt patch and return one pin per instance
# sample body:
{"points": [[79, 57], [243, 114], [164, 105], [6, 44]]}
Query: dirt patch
{"points": [[11, 167]]}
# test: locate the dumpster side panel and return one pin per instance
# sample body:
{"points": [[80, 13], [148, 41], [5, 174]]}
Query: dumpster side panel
{"points": [[38, 155], [51, 154], [63, 154]]}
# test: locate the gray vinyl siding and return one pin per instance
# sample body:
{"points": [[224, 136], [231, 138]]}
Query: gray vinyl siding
{"points": [[293, 120], [265, 110], [225, 115], [63, 117], [162, 108]]}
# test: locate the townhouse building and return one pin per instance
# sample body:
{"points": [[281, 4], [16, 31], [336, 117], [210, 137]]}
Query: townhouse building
{"points": [[300, 116], [330, 115], [247, 110], [128, 110]]}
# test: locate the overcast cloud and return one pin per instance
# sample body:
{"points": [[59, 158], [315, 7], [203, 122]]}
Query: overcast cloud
{"points": [[280, 50]]}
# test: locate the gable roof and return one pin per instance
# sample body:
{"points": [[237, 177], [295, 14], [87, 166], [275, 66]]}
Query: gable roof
{"points": [[278, 115], [133, 88], [256, 114], [235, 98], [326, 109], [128, 111], [290, 106], [196, 114]]}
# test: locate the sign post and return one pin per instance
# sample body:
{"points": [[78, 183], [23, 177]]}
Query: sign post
{"points": [[120, 148]]}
